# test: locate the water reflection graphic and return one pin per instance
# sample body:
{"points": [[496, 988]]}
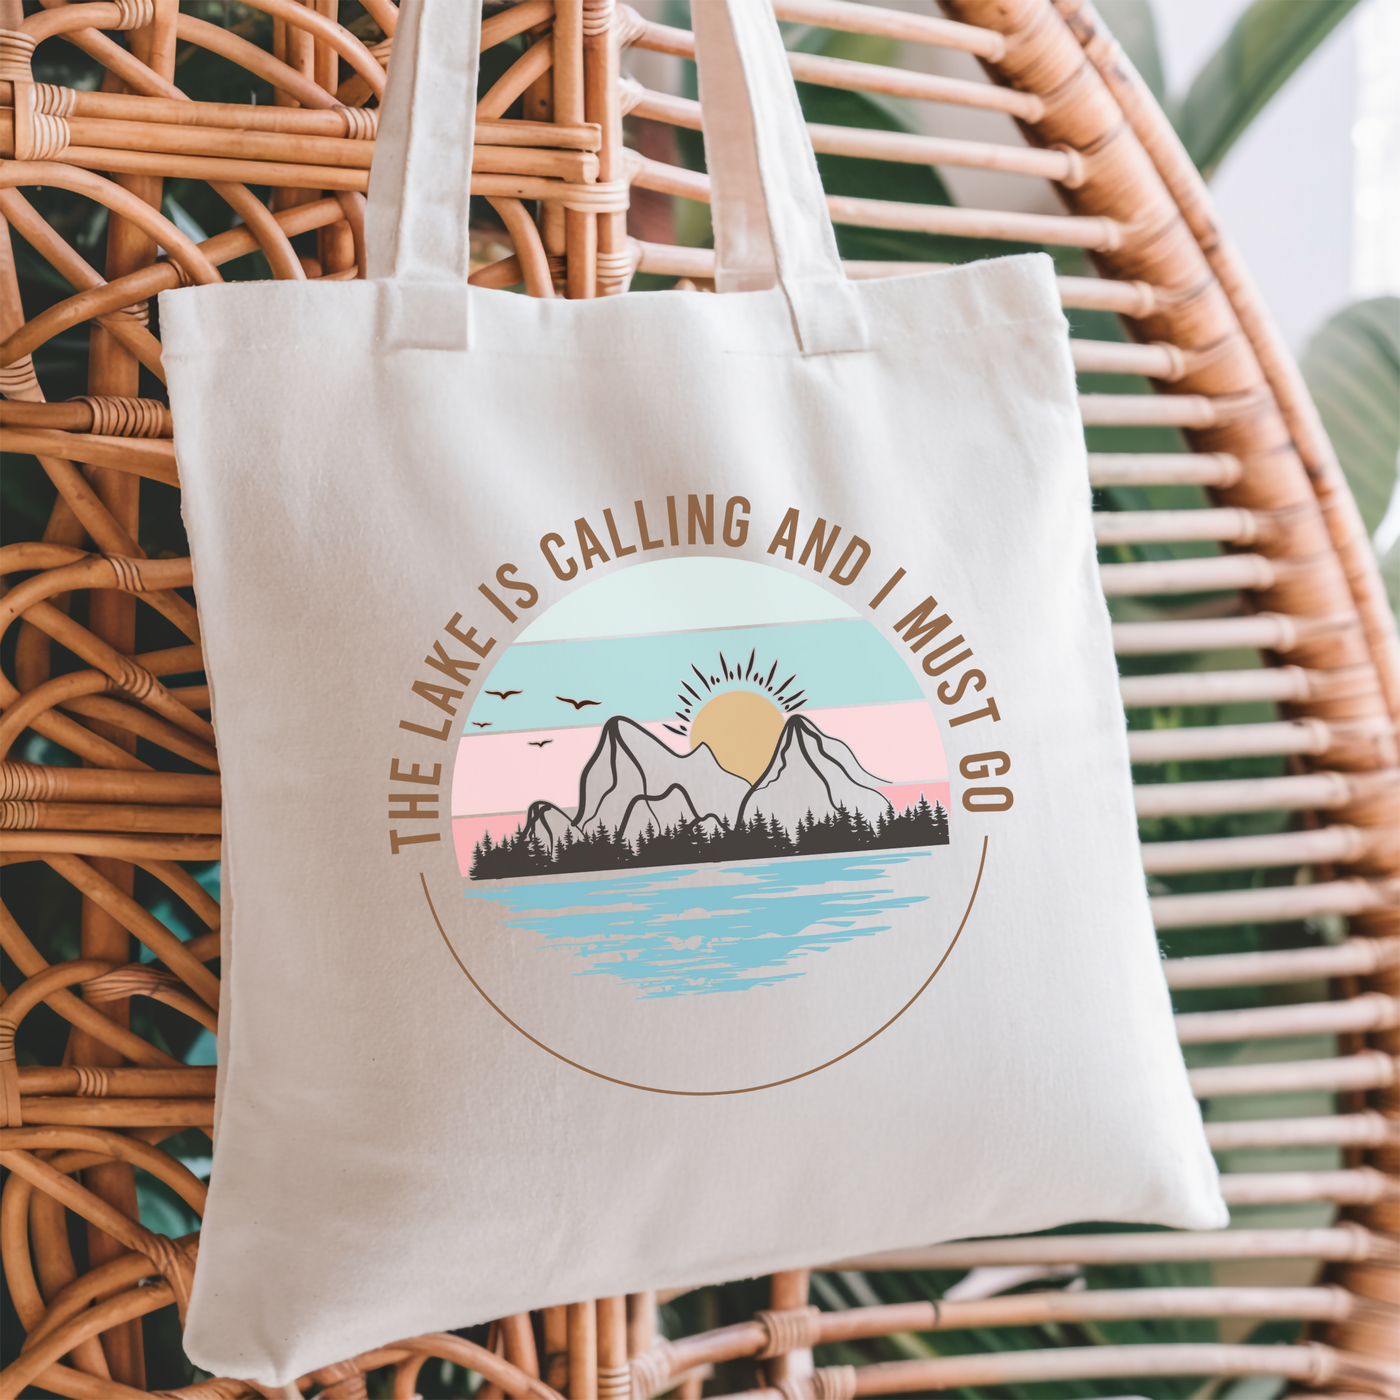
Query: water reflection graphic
{"points": [[678, 932]]}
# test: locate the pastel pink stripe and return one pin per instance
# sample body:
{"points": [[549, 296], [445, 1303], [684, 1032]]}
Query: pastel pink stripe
{"points": [[904, 795], [467, 831], [894, 742], [500, 772]]}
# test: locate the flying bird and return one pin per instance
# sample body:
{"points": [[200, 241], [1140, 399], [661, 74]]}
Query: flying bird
{"points": [[577, 704], [482, 723], [538, 743], [505, 694]]}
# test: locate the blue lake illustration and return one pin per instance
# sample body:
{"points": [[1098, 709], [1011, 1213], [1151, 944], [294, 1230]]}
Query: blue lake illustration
{"points": [[668, 936]]}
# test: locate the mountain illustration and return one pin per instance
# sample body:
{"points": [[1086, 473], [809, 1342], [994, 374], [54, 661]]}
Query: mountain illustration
{"points": [[812, 772], [633, 778], [641, 803]]}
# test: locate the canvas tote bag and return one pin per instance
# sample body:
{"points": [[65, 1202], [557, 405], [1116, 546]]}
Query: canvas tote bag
{"points": [[677, 812]]}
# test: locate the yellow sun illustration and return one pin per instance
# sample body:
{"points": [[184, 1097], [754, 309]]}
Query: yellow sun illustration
{"points": [[741, 729]]}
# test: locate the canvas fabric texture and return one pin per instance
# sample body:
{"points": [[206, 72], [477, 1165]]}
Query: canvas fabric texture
{"points": [[677, 806]]}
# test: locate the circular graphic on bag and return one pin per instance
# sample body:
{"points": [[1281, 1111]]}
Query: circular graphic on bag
{"points": [[700, 811]]}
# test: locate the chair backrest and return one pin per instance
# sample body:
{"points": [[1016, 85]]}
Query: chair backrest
{"points": [[1261, 676]]}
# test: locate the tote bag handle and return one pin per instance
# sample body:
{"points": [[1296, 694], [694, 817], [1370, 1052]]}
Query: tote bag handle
{"points": [[770, 216], [766, 202]]}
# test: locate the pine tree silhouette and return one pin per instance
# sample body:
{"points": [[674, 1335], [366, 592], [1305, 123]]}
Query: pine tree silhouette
{"points": [[757, 837]]}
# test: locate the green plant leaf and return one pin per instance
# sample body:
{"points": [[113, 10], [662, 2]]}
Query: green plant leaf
{"points": [[161, 1209], [1268, 44], [1390, 573], [840, 43], [1352, 367], [182, 219], [1134, 27]]}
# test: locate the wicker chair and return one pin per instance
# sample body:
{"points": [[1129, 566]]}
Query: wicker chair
{"points": [[1287, 560]]}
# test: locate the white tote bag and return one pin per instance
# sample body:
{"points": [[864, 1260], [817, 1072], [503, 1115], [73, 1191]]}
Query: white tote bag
{"points": [[677, 811]]}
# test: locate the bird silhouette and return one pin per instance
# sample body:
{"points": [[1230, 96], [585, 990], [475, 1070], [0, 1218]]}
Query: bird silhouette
{"points": [[577, 704], [505, 694], [482, 723], [538, 743]]}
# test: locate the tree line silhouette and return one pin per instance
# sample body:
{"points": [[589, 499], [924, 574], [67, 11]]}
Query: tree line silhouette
{"points": [[523, 853]]}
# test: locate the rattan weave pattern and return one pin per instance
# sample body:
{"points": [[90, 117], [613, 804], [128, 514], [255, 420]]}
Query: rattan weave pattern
{"points": [[1294, 568]]}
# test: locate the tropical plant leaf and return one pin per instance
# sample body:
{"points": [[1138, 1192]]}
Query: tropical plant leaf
{"points": [[1268, 44], [1352, 367], [840, 43], [1135, 27], [1390, 572], [182, 219]]}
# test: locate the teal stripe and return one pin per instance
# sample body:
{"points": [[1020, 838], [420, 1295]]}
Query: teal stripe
{"points": [[834, 663]]}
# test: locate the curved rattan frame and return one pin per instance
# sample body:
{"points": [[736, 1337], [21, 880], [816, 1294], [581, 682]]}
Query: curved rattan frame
{"points": [[1292, 549]]}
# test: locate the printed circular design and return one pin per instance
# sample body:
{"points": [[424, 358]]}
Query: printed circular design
{"points": [[700, 814]]}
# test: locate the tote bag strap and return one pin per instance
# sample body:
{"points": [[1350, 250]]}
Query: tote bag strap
{"points": [[766, 202], [771, 222], [416, 220], [420, 182]]}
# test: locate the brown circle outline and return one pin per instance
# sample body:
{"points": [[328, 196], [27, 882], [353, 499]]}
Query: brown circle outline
{"points": [[710, 1093]]}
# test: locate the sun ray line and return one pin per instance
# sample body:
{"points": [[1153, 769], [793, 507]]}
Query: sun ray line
{"points": [[772, 671], [687, 685], [701, 674], [748, 670], [779, 692]]}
